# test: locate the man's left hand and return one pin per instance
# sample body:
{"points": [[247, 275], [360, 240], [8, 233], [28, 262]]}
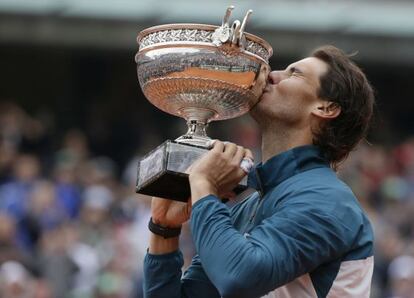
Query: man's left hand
{"points": [[218, 172]]}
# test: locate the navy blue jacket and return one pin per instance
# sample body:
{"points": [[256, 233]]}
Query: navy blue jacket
{"points": [[302, 234]]}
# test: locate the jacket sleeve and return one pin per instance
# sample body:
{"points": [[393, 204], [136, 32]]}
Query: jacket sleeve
{"points": [[162, 278], [162, 275], [294, 240]]}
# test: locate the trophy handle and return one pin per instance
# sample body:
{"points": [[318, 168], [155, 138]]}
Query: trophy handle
{"points": [[226, 17], [236, 29], [241, 37]]}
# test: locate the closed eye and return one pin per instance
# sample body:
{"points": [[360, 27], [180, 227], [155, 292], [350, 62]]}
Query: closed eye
{"points": [[294, 70]]}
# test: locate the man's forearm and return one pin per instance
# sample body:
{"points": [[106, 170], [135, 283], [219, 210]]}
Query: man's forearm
{"points": [[235, 265]]}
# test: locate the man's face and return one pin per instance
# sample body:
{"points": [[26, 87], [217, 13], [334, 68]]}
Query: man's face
{"points": [[291, 94]]}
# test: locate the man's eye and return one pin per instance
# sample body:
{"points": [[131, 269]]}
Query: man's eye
{"points": [[294, 71]]}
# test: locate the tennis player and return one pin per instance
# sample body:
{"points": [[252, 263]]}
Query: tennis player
{"points": [[302, 233]]}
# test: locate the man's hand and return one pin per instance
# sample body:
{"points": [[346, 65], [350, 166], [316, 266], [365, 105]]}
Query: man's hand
{"points": [[218, 172], [169, 213]]}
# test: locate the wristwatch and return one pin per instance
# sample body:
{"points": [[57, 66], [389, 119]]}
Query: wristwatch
{"points": [[163, 231]]}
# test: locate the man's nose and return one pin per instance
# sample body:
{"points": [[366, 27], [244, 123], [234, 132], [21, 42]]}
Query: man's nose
{"points": [[276, 76]]}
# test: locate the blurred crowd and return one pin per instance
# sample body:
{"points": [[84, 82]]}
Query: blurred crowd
{"points": [[382, 177], [71, 224]]}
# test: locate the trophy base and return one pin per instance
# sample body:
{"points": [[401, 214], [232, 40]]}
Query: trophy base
{"points": [[161, 173]]}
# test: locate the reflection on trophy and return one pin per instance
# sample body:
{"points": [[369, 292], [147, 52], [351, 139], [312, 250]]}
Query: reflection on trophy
{"points": [[201, 73]]}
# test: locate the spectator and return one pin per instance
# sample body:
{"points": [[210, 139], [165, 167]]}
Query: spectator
{"points": [[15, 280], [8, 244], [401, 273]]}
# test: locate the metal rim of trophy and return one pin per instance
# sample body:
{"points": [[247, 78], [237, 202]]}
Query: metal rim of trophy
{"points": [[144, 33]]}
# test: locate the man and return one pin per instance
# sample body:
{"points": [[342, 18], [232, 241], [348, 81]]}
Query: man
{"points": [[303, 233]]}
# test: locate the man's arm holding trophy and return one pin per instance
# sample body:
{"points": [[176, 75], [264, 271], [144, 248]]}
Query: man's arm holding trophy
{"points": [[217, 173]]}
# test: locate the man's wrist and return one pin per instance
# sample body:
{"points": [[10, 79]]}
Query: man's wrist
{"points": [[200, 188], [159, 245], [163, 231]]}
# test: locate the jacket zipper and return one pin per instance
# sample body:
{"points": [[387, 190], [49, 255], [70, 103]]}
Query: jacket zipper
{"points": [[260, 191]]}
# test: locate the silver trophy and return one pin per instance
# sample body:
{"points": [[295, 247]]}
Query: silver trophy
{"points": [[201, 73]]}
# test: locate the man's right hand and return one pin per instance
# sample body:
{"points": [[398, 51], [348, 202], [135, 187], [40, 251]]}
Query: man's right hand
{"points": [[169, 213]]}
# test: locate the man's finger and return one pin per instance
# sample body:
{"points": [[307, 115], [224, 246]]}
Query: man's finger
{"points": [[238, 156], [229, 150], [156, 201], [248, 154], [218, 146]]}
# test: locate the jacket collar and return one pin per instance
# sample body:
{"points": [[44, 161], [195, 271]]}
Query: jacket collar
{"points": [[285, 165]]}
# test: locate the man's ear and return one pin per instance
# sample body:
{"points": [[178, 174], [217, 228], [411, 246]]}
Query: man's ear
{"points": [[326, 109]]}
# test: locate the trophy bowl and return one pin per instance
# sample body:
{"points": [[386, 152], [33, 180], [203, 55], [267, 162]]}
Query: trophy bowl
{"points": [[201, 73]]}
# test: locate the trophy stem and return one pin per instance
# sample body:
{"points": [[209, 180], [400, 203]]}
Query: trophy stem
{"points": [[197, 122], [196, 134], [196, 128]]}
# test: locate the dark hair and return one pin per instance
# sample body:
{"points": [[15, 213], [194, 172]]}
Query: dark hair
{"points": [[345, 85]]}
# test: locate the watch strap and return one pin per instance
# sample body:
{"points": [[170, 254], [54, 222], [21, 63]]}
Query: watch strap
{"points": [[163, 231]]}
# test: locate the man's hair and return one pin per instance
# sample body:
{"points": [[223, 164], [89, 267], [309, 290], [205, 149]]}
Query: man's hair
{"points": [[346, 86]]}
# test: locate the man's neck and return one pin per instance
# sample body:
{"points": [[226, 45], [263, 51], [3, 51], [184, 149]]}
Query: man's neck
{"points": [[277, 140]]}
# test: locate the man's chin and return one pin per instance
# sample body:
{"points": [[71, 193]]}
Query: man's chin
{"points": [[257, 103], [259, 112], [262, 97], [255, 111]]}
